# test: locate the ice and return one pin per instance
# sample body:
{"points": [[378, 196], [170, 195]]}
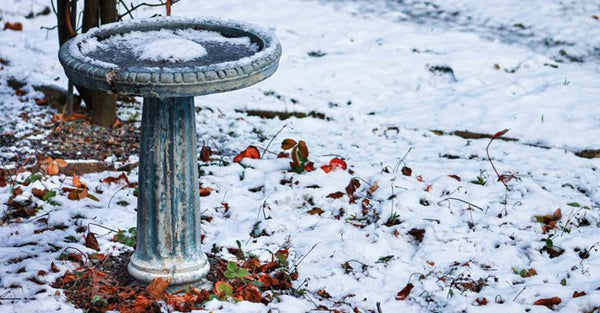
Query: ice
{"points": [[172, 50]]}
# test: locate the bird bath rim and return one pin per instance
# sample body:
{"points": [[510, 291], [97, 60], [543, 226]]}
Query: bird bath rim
{"points": [[169, 81]]}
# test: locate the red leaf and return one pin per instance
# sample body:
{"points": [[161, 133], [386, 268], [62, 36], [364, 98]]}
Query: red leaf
{"points": [[205, 192], [548, 302], [336, 163], [251, 293], [481, 301], [251, 152], [500, 133], [326, 168], [309, 167], [404, 292]]}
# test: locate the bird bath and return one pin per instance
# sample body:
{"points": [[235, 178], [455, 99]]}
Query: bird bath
{"points": [[168, 61]]}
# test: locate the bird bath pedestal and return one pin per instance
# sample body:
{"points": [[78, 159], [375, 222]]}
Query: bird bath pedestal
{"points": [[168, 61]]}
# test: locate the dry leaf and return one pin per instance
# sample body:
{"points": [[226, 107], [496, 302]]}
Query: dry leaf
{"points": [[406, 171], [335, 195], [548, 302], [315, 210], [403, 294], [52, 169], [91, 242], [158, 287]]}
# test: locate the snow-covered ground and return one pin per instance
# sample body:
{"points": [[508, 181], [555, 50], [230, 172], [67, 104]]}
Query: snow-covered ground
{"points": [[384, 74]]}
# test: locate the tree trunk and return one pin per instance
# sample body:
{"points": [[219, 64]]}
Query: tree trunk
{"points": [[102, 105]]}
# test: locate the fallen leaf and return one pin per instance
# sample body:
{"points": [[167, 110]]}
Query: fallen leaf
{"points": [[403, 294], [205, 154], [417, 233], [577, 294], [323, 294], [455, 177], [52, 169], [337, 163], [303, 149], [205, 192], [481, 301], [548, 302], [157, 288], [315, 210], [420, 178], [335, 195], [13, 26], [406, 171], [251, 293], [91, 242], [77, 181], [251, 153], [39, 193], [60, 162], [352, 185], [223, 289]]}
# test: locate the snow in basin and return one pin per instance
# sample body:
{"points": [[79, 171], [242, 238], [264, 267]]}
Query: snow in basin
{"points": [[172, 50], [164, 45]]}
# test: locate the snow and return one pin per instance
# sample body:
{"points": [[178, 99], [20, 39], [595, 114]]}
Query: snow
{"points": [[374, 84], [174, 46], [172, 50]]}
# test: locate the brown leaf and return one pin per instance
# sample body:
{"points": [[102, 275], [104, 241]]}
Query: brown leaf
{"points": [[403, 294], [54, 268], [17, 192], [323, 294], [302, 149], [205, 154], [288, 144], [420, 178], [548, 302], [417, 233], [481, 301], [335, 195], [52, 169], [91, 242], [406, 171], [455, 177], [315, 210], [60, 162], [39, 193], [352, 186], [251, 293], [13, 26], [577, 294], [157, 288]]}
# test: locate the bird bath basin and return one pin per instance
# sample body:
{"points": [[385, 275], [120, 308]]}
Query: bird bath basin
{"points": [[168, 61]]}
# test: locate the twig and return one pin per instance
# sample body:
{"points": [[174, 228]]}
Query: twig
{"points": [[304, 256], [520, 292], [271, 141], [378, 305], [460, 200], [487, 151], [126, 186], [133, 8], [402, 160]]}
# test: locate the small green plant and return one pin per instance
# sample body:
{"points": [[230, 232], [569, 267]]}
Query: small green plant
{"points": [[126, 237], [48, 197], [33, 178], [548, 241], [234, 271], [299, 154], [479, 181]]}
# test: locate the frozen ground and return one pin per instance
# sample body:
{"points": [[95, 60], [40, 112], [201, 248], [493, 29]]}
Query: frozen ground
{"points": [[384, 74]]}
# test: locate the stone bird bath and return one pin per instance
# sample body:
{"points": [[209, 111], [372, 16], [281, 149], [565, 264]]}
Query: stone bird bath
{"points": [[168, 61]]}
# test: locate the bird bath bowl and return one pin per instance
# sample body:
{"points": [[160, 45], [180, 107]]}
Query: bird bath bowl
{"points": [[168, 61]]}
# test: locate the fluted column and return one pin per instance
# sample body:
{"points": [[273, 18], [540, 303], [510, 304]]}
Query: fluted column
{"points": [[168, 214]]}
